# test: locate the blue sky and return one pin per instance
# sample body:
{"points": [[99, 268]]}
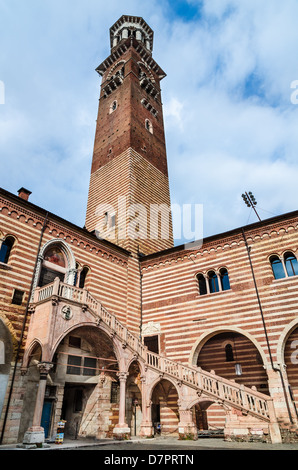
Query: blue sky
{"points": [[229, 120]]}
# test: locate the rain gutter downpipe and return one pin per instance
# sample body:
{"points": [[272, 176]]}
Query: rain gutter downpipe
{"points": [[276, 369]]}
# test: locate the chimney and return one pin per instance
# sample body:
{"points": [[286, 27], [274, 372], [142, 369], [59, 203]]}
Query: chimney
{"points": [[24, 193]]}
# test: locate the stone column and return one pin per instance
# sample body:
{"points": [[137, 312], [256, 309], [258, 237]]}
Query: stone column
{"points": [[186, 426], [146, 424], [121, 430], [35, 434], [279, 392]]}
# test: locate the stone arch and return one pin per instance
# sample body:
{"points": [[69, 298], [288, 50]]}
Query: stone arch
{"points": [[115, 66], [141, 364], [243, 362], [134, 399], [194, 354], [117, 346], [280, 349], [85, 361], [156, 382], [35, 343], [148, 72], [208, 413], [287, 358], [67, 251], [165, 400]]}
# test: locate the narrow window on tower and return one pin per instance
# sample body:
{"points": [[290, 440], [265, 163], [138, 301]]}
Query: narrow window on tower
{"points": [[148, 125]]}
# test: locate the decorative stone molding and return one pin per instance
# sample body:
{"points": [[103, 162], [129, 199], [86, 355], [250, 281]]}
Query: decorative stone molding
{"points": [[66, 312], [151, 328]]}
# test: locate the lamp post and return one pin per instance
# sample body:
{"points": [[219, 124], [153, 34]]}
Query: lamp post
{"points": [[250, 201]]}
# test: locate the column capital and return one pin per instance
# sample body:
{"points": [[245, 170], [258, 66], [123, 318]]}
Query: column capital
{"points": [[122, 376], [44, 369]]}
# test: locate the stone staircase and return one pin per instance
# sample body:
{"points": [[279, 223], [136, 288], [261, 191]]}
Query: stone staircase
{"points": [[218, 388]]}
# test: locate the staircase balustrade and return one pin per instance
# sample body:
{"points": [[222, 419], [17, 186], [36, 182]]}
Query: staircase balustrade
{"points": [[221, 389]]}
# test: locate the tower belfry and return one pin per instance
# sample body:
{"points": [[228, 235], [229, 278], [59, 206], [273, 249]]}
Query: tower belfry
{"points": [[129, 198]]}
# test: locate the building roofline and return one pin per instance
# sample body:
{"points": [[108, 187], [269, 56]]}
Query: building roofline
{"points": [[82, 230], [198, 244]]}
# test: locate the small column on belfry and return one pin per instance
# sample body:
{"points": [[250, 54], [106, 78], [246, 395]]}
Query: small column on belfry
{"points": [[35, 434]]}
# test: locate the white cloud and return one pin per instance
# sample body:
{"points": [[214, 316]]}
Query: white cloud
{"points": [[229, 121]]}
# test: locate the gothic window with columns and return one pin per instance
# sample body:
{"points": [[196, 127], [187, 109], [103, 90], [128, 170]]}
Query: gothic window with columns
{"points": [[213, 281], [53, 265], [284, 266]]}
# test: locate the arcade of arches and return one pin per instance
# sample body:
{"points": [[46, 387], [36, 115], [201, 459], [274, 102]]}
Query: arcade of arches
{"points": [[83, 384]]}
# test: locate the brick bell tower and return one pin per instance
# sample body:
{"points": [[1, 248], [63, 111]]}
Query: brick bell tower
{"points": [[129, 197]]}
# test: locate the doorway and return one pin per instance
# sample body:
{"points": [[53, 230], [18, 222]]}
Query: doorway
{"points": [[74, 403]]}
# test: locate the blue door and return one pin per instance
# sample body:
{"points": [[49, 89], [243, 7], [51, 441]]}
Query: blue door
{"points": [[46, 416]]}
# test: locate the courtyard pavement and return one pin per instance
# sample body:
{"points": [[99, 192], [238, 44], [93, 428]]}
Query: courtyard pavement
{"points": [[156, 444]]}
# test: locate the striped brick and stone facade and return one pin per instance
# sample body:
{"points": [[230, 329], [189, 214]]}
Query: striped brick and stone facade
{"points": [[118, 334]]}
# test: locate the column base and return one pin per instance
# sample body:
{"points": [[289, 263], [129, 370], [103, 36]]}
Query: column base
{"points": [[147, 430], [188, 432], [34, 436], [121, 432]]}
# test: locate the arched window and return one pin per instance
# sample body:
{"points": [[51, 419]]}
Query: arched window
{"points": [[5, 250], [277, 267], [53, 265], [113, 106], [291, 264], [83, 276], [229, 353], [202, 284], [148, 125], [224, 279], [213, 282]]}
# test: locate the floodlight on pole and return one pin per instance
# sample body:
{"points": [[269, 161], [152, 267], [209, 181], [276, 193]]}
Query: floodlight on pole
{"points": [[250, 201]]}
